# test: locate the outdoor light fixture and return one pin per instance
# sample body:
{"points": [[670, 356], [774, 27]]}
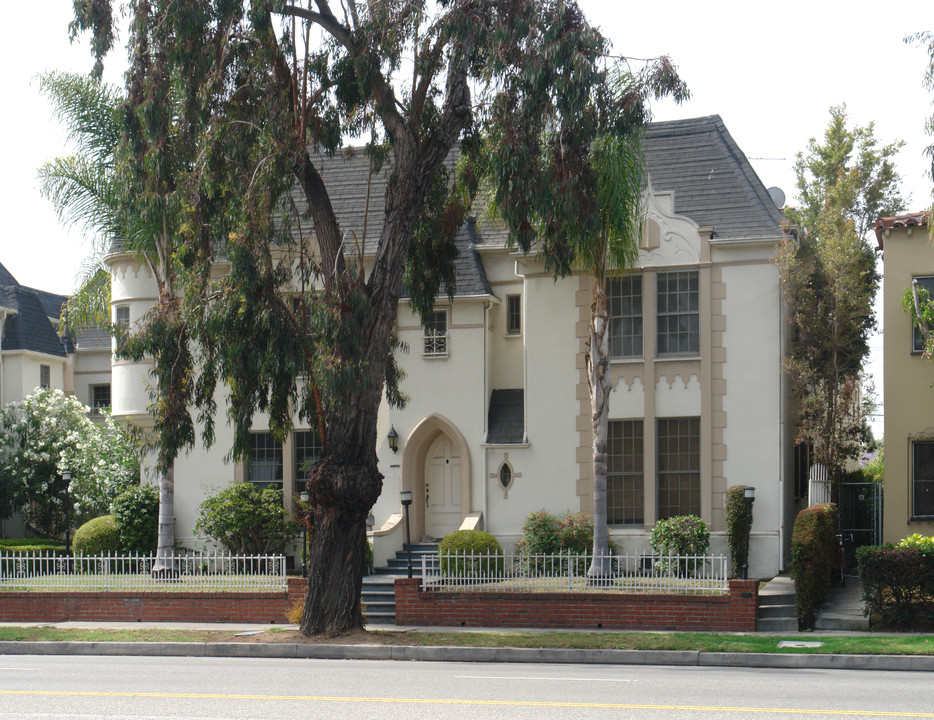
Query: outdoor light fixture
{"points": [[393, 438], [406, 496], [304, 496], [749, 497]]}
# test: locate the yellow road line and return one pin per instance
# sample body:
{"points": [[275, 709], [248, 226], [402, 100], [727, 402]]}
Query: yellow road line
{"points": [[446, 701]]}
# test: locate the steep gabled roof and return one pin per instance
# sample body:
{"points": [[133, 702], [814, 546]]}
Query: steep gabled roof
{"points": [[29, 328], [712, 181]]}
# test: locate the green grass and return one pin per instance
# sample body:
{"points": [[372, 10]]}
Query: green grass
{"points": [[704, 642]]}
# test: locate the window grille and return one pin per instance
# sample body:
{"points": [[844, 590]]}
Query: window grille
{"points": [[678, 313], [436, 335], [624, 306], [624, 478], [306, 450], [265, 465], [678, 447]]}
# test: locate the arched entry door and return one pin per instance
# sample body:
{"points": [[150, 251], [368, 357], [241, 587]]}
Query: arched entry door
{"points": [[443, 491]]}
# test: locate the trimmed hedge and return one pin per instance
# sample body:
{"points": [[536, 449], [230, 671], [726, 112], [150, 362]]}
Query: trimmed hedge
{"points": [[898, 584], [99, 536], [680, 535], [489, 554], [734, 518], [813, 559], [33, 546]]}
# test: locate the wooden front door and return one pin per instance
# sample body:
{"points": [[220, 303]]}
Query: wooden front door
{"points": [[442, 488]]}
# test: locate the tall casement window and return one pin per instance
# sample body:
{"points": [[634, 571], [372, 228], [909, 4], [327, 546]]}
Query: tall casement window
{"points": [[624, 476], [265, 465], [45, 376], [678, 467], [678, 313], [624, 306], [306, 451], [513, 314], [922, 479], [436, 334], [917, 339], [122, 321]]}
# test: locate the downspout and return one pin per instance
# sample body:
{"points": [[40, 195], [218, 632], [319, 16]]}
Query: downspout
{"points": [[486, 451], [782, 380], [3, 316], [525, 356]]}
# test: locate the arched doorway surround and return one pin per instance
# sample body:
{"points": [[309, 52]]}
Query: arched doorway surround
{"points": [[436, 468]]}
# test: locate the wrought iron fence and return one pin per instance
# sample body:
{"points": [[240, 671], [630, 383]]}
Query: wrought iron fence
{"points": [[638, 572], [190, 572]]}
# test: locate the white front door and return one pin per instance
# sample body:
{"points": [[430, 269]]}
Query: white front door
{"points": [[442, 488]]}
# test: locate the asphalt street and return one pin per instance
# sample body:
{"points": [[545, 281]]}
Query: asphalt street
{"points": [[73, 687]]}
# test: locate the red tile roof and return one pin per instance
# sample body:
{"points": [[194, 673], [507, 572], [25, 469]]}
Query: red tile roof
{"points": [[917, 219]]}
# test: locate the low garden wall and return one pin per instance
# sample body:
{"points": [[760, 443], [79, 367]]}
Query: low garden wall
{"points": [[161, 606], [733, 612]]}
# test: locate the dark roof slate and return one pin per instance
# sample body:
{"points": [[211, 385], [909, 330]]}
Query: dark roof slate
{"points": [[51, 302], [6, 278], [505, 419], [712, 181], [29, 328]]}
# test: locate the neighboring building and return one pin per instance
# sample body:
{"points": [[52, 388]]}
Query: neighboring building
{"points": [[908, 255], [33, 354], [498, 424]]}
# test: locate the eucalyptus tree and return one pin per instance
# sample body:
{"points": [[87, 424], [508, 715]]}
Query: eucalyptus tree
{"points": [[117, 199], [830, 281], [296, 327]]}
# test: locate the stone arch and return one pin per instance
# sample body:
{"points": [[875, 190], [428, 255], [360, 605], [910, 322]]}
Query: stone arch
{"points": [[414, 459]]}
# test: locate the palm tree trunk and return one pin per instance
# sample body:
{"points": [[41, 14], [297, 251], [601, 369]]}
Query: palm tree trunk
{"points": [[164, 565], [599, 381]]}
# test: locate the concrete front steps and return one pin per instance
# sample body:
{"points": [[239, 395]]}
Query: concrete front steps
{"points": [[777, 606], [379, 593]]}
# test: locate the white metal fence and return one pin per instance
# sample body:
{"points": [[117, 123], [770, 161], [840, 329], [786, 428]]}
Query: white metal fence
{"points": [[190, 572], [639, 572]]}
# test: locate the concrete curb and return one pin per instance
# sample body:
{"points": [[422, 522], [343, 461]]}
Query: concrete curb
{"points": [[444, 653]]}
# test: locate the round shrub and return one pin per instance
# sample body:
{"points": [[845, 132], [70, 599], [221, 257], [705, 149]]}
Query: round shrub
{"points": [[246, 520], [680, 535], [734, 518], [99, 536], [136, 512], [470, 553]]}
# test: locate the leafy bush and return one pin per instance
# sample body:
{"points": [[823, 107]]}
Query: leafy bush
{"points": [[813, 559], [921, 543], [898, 582], [547, 534], [99, 536], [470, 553], [734, 518], [136, 512], [246, 520], [33, 546], [681, 535]]}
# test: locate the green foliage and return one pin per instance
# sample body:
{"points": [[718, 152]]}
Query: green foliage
{"points": [[246, 520], [813, 559], [927, 38], [47, 434], [830, 281], [136, 512], [680, 535], [32, 546], [99, 536], [734, 520], [546, 534], [470, 553], [898, 582], [918, 303]]}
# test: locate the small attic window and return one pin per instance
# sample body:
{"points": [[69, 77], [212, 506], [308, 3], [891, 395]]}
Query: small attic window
{"points": [[45, 377]]}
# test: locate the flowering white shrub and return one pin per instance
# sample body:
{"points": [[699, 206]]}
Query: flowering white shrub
{"points": [[45, 435]]}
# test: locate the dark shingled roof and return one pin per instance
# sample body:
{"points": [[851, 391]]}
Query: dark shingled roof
{"points": [[29, 328], [504, 421], [92, 339], [712, 181], [51, 302], [6, 278]]}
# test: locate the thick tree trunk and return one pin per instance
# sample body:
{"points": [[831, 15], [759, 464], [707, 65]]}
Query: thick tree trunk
{"points": [[164, 565], [341, 497]]}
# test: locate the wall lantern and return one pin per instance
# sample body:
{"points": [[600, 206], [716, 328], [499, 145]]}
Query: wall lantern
{"points": [[393, 438]]}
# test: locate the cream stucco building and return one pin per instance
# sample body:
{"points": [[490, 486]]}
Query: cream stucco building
{"points": [[498, 421], [908, 255]]}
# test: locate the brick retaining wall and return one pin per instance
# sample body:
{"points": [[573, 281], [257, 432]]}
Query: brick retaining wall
{"points": [[259, 607], [735, 612]]}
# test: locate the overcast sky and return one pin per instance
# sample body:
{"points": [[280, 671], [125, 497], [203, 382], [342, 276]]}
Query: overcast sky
{"points": [[771, 71]]}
